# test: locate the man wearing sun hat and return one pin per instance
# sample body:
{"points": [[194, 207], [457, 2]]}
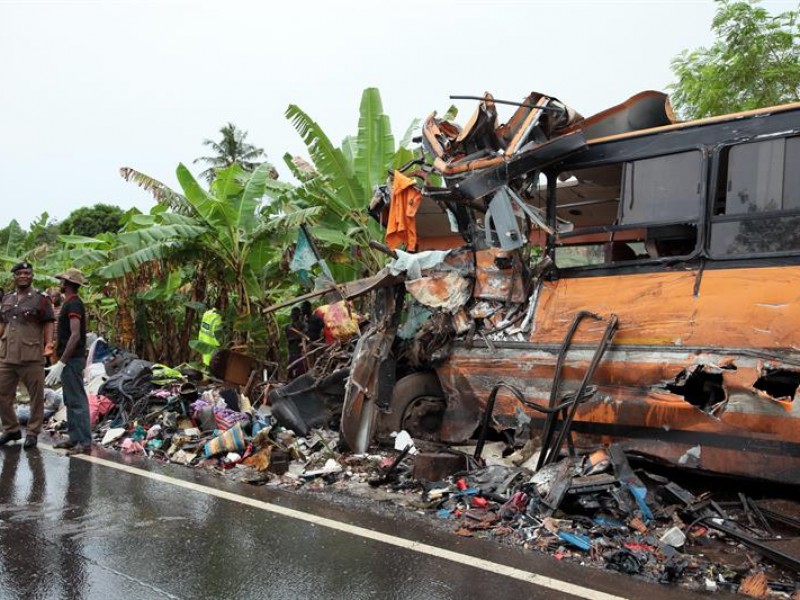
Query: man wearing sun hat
{"points": [[71, 349], [26, 333]]}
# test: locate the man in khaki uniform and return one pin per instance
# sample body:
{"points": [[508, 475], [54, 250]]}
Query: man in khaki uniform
{"points": [[26, 334]]}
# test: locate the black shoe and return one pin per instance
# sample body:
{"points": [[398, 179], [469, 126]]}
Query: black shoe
{"points": [[10, 437], [30, 441], [64, 445]]}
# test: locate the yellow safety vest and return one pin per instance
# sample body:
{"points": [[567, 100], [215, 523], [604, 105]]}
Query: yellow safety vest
{"points": [[209, 327]]}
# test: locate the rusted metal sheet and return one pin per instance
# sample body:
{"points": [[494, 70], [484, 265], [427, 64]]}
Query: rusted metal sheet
{"points": [[441, 290], [750, 434], [732, 338], [482, 144], [364, 392], [497, 279]]}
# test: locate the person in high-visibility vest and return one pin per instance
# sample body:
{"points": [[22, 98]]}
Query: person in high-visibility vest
{"points": [[209, 328]]}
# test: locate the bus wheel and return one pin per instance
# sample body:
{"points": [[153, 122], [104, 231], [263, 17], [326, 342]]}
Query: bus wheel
{"points": [[417, 405]]}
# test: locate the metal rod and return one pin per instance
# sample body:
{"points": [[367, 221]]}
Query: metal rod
{"points": [[552, 418], [605, 342], [487, 417], [783, 559], [509, 102], [382, 248]]}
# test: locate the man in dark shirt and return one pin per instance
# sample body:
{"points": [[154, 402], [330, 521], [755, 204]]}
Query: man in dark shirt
{"points": [[71, 348], [314, 323], [26, 330]]}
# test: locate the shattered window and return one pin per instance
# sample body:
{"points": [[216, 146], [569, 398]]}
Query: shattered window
{"points": [[589, 197], [639, 210], [759, 179]]}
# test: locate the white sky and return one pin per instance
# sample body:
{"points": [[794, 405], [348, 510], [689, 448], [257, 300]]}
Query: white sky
{"points": [[89, 87]]}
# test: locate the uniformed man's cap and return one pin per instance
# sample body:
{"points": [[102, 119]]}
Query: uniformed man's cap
{"points": [[73, 276], [21, 265]]}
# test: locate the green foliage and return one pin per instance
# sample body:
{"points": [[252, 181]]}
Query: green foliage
{"points": [[162, 193], [333, 196], [33, 245], [754, 62], [219, 235], [231, 150], [43, 234], [90, 221], [12, 239]]}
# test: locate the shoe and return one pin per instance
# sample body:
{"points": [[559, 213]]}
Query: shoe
{"points": [[30, 441], [80, 449], [10, 437], [64, 444]]}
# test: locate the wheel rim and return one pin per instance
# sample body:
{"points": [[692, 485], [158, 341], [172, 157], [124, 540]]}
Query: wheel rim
{"points": [[423, 417]]}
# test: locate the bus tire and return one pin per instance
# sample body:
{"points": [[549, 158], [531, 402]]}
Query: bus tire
{"points": [[417, 405]]}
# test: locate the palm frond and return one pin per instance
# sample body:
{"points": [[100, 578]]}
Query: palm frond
{"points": [[409, 134], [162, 193], [451, 113], [82, 257], [328, 160], [146, 245], [176, 234], [80, 240], [130, 262], [332, 237], [291, 221], [375, 142], [261, 252], [217, 215], [16, 239], [247, 203], [350, 148]]}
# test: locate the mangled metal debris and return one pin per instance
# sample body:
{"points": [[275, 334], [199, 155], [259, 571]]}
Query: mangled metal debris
{"points": [[566, 293], [664, 227]]}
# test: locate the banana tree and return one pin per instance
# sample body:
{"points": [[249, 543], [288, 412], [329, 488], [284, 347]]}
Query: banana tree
{"points": [[113, 298], [219, 233], [334, 193]]}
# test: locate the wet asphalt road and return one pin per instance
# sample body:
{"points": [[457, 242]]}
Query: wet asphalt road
{"points": [[71, 528]]}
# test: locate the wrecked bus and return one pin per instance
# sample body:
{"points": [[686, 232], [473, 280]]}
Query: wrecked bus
{"points": [[622, 277]]}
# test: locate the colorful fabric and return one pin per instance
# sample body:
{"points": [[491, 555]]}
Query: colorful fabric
{"points": [[401, 228], [98, 407], [340, 321], [224, 417], [231, 440]]}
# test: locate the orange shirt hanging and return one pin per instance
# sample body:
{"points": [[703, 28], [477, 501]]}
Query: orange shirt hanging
{"points": [[401, 228]]}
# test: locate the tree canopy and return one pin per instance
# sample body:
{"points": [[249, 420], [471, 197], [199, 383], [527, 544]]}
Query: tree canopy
{"points": [[753, 62], [93, 220], [231, 150]]}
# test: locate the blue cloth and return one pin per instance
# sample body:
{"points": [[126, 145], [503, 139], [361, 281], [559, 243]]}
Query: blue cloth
{"points": [[76, 401]]}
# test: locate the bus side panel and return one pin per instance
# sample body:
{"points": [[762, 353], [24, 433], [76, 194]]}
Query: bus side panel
{"points": [[733, 308], [666, 333]]}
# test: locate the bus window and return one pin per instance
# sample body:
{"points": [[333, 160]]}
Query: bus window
{"points": [[639, 210], [757, 208], [663, 189]]}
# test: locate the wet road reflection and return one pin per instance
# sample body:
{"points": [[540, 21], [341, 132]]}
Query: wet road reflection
{"points": [[73, 529]]}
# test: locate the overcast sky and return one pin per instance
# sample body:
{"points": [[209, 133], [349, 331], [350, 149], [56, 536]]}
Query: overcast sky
{"points": [[89, 87]]}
